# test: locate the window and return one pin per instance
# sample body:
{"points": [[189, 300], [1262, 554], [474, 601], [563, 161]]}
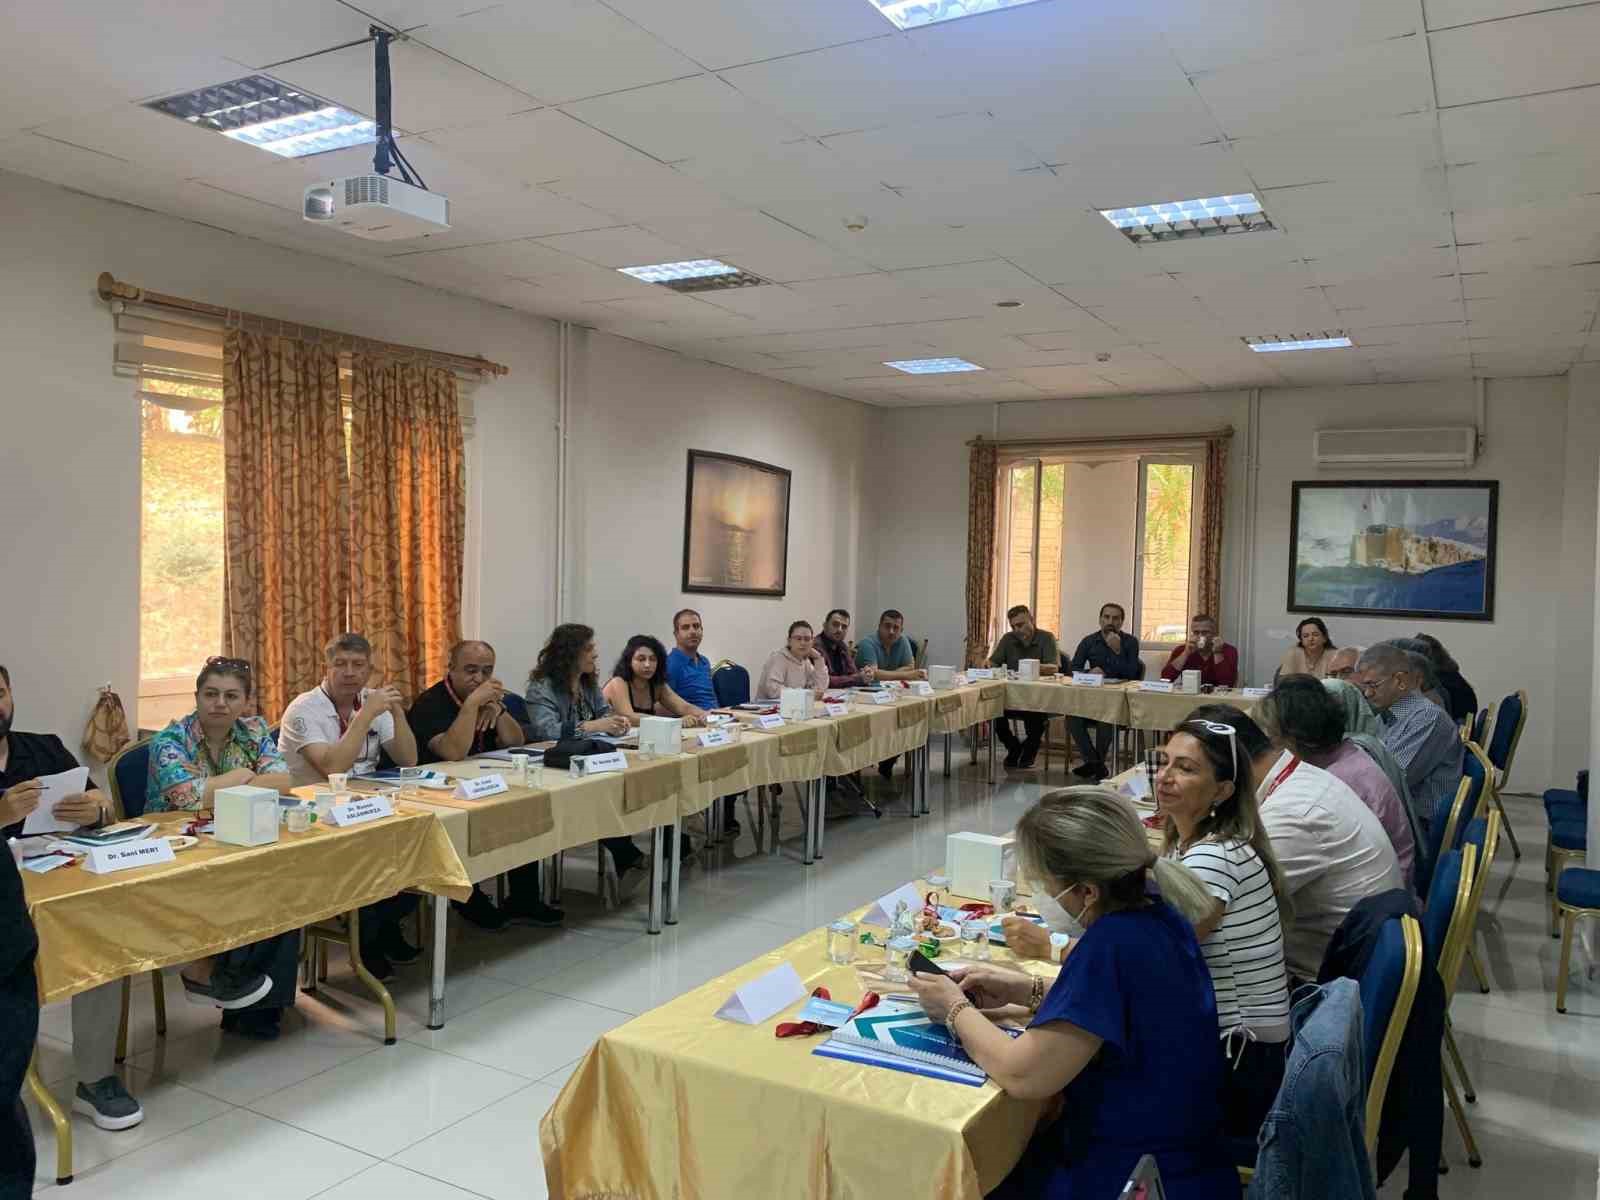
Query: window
{"points": [[1079, 530], [181, 541]]}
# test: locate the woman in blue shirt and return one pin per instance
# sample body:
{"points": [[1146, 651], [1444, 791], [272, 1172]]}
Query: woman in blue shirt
{"points": [[1127, 1034]]}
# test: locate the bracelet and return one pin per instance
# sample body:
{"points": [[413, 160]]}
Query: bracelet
{"points": [[1036, 995], [955, 1011]]}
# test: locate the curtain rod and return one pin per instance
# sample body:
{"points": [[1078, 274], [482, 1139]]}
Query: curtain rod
{"points": [[111, 288], [1114, 439]]}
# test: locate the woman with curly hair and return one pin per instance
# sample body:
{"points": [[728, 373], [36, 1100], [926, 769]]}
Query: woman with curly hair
{"points": [[638, 685]]}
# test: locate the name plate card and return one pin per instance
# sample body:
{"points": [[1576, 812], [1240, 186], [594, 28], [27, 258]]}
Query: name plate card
{"points": [[715, 737], [836, 710], [1087, 679], [362, 810], [922, 688], [882, 698], [718, 718], [1256, 692], [770, 721], [483, 785], [763, 997], [980, 672], [102, 860], [1156, 685], [601, 764]]}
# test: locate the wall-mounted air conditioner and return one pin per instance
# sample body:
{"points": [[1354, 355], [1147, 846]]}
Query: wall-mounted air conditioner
{"points": [[1440, 448]]}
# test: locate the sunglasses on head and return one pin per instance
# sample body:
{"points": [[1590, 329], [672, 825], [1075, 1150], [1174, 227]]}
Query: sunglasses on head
{"points": [[1218, 729], [228, 664]]}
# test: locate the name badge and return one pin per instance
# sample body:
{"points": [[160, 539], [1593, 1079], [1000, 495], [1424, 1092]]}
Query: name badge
{"points": [[922, 688], [980, 672], [836, 710], [770, 721], [484, 785], [360, 811], [601, 764], [102, 860], [715, 737], [1155, 685], [1258, 693], [882, 698], [1087, 679]]}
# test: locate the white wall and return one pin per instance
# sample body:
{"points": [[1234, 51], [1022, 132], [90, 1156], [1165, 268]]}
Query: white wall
{"points": [[1543, 442], [636, 412], [915, 557], [69, 457]]}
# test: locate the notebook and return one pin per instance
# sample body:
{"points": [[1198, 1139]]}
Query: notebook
{"points": [[111, 835], [901, 1037]]}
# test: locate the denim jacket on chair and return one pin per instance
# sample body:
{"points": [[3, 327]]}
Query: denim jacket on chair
{"points": [[1312, 1144]]}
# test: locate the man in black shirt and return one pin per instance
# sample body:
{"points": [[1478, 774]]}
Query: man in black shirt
{"points": [[1111, 654], [24, 759], [19, 1029], [462, 715]]}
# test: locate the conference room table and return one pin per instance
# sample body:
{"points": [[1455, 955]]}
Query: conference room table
{"points": [[95, 929], [677, 1102]]}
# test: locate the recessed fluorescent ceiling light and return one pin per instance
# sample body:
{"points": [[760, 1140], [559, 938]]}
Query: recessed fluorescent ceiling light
{"points": [[699, 275], [908, 14], [932, 366], [262, 112], [1206, 217], [1328, 339]]}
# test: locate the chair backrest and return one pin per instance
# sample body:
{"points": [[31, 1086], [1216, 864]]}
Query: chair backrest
{"points": [[1509, 718], [1475, 766], [1444, 923], [1483, 836], [1480, 726], [129, 777], [731, 682], [1443, 825], [1388, 986]]}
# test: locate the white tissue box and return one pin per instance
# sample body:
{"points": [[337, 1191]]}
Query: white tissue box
{"points": [[794, 704], [942, 678], [1028, 668], [973, 859], [246, 816], [664, 735]]}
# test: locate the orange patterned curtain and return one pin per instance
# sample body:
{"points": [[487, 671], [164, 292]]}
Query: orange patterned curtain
{"points": [[286, 561], [1213, 512], [980, 550], [408, 522]]}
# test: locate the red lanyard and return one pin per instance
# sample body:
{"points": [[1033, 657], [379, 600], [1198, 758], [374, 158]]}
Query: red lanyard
{"points": [[344, 723], [1282, 775]]}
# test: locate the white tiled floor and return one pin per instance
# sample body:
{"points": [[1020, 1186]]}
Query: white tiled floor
{"points": [[328, 1111]]}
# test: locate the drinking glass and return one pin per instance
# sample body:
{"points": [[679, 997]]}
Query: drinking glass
{"points": [[842, 937], [896, 954], [299, 819], [1001, 892], [975, 938]]}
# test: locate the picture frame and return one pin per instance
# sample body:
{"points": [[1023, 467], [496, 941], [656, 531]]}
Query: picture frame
{"points": [[1394, 548], [735, 526]]}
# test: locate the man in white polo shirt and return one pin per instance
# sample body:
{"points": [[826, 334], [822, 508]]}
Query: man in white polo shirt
{"points": [[1333, 851], [342, 726]]}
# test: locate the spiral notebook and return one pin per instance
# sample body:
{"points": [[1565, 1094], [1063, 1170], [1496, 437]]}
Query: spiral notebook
{"points": [[901, 1037]]}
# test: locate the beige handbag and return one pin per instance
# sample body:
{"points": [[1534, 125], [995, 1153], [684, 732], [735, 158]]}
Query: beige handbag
{"points": [[107, 731]]}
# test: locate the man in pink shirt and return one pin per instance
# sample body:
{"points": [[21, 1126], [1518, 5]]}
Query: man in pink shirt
{"points": [[1302, 716]]}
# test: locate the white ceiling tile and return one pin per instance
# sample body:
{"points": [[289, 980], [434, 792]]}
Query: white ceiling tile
{"points": [[558, 50], [725, 33], [1362, 153], [1205, 37], [538, 147], [1539, 52], [685, 118], [987, 273], [932, 152], [1115, 180], [1505, 183], [620, 246], [857, 86], [639, 195], [1557, 121], [161, 143], [430, 91], [1375, 80]]}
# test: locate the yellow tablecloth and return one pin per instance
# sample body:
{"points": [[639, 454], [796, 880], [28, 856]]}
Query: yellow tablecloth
{"points": [[1108, 702], [676, 1103], [97, 928], [893, 729], [963, 707], [580, 810], [1168, 710]]}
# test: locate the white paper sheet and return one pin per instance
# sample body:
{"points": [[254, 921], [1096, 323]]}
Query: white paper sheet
{"points": [[763, 997], [54, 788]]}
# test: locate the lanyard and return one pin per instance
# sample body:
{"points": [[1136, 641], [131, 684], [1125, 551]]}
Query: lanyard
{"points": [[344, 723], [477, 734], [1281, 776]]}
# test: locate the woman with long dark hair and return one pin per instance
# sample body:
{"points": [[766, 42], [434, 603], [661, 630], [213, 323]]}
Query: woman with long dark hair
{"points": [[638, 685], [564, 702], [1205, 792], [1312, 651], [1460, 700]]}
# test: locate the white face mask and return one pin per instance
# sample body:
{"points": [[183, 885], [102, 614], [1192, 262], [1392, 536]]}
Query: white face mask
{"points": [[1056, 918]]}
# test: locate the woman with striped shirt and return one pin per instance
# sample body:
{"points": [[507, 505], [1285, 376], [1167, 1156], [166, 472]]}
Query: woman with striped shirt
{"points": [[1213, 827]]}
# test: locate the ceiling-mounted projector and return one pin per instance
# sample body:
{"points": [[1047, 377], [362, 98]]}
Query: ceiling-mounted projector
{"points": [[379, 207]]}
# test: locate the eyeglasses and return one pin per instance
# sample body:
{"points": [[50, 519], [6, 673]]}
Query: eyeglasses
{"points": [[230, 664], [1218, 729]]}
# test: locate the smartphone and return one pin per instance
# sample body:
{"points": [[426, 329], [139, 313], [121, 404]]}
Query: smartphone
{"points": [[920, 964], [1145, 1182]]}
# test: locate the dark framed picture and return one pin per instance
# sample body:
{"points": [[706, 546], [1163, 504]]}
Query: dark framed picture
{"points": [[735, 526], [1394, 548]]}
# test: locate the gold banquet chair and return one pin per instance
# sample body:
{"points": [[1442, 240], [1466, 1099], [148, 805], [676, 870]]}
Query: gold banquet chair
{"points": [[1445, 925]]}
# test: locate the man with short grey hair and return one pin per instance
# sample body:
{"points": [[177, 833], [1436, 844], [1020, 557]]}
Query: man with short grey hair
{"points": [[1421, 736], [1342, 664]]}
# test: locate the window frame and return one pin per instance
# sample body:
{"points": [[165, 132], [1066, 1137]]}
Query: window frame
{"points": [[1197, 460]]}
